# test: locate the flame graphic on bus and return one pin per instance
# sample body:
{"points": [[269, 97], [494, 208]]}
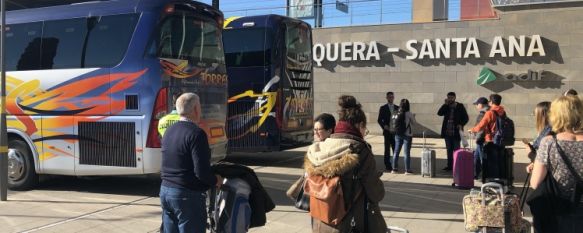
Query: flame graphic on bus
{"points": [[180, 70], [264, 104], [26, 99]]}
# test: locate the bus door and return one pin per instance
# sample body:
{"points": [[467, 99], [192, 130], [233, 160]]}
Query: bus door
{"points": [[297, 83]]}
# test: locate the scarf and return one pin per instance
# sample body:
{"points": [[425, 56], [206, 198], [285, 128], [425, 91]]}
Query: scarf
{"points": [[347, 128]]}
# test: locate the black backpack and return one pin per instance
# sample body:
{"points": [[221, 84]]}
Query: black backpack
{"points": [[504, 133]]}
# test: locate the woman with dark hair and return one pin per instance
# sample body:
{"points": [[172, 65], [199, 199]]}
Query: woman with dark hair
{"points": [[323, 126], [543, 129], [347, 157], [403, 136]]}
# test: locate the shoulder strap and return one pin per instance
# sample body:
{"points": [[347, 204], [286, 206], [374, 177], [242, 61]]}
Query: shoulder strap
{"points": [[567, 161]]}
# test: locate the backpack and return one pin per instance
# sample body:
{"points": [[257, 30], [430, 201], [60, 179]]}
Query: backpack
{"points": [[504, 133], [231, 210], [401, 125], [326, 199]]}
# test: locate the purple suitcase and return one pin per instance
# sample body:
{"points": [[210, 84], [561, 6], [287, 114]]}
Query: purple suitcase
{"points": [[463, 168]]}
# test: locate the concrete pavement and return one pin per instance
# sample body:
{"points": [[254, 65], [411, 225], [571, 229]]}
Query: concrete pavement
{"points": [[130, 204]]}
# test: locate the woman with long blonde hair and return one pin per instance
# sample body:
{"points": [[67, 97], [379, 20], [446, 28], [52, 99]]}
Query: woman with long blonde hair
{"points": [[560, 158]]}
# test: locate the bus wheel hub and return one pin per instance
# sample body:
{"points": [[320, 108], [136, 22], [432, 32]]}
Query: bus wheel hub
{"points": [[15, 164]]}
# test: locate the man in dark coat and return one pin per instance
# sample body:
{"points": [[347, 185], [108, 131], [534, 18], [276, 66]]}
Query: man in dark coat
{"points": [[455, 117], [387, 123]]}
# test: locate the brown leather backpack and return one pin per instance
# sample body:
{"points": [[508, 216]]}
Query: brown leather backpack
{"points": [[326, 199]]}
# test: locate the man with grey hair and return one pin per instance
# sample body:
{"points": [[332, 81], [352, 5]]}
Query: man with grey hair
{"points": [[186, 171]]}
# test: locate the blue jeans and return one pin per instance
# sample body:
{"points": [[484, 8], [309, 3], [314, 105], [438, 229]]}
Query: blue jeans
{"points": [[402, 141], [478, 158], [183, 210], [451, 144]]}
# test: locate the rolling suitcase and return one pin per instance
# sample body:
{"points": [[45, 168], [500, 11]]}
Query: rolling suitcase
{"points": [[498, 165], [463, 167], [427, 160]]}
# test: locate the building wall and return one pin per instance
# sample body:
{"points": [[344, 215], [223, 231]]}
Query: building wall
{"points": [[422, 11], [425, 82], [476, 9]]}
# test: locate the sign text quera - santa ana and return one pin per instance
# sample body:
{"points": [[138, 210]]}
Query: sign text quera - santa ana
{"points": [[448, 48]]}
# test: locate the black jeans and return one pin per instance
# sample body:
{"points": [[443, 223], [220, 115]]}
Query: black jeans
{"points": [[451, 144], [389, 146]]}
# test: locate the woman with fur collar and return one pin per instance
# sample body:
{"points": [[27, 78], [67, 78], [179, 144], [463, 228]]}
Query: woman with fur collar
{"points": [[346, 154]]}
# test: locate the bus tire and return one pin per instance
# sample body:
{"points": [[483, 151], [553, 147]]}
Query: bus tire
{"points": [[21, 171]]}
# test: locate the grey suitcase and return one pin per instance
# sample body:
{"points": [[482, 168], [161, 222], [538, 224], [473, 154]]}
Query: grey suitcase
{"points": [[427, 160]]}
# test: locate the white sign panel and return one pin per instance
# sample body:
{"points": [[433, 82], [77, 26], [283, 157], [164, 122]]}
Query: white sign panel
{"points": [[301, 8]]}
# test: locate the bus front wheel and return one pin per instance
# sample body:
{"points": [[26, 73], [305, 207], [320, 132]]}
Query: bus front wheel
{"points": [[21, 172]]}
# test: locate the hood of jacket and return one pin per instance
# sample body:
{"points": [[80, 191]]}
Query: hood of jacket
{"points": [[498, 109], [332, 157]]}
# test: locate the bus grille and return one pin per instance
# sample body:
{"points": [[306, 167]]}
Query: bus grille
{"points": [[107, 144], [243, 116]]}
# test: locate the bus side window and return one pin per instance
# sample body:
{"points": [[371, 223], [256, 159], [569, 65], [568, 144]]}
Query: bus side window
{"points": [[62, 43], [23, 43], [108, 40]]}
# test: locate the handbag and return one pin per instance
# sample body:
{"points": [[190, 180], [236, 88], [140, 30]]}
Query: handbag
{"points": [[546, 201], [297, 194]]}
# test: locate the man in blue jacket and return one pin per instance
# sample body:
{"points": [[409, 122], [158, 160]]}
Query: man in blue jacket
{"points": [[186, 173]]}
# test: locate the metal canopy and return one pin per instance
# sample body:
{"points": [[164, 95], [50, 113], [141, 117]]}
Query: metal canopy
{"points": [[23, 4]]}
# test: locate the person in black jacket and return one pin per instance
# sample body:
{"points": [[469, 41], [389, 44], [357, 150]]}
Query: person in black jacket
{"points": [[482, 107], [455, 117], [186, 171], [386, 114]]}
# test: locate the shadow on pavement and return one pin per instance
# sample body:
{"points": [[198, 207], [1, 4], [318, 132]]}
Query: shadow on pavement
{"points": [[288, 159], [120, 185]]}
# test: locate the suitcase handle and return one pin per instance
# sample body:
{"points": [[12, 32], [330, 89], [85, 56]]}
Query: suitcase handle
{"points": [[424, 139], [493, 185]]}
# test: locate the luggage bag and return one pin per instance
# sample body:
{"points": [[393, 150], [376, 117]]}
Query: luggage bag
{"points": [[427, 160], [491, 210], [230, 209], [463, 167], [498, 165]]}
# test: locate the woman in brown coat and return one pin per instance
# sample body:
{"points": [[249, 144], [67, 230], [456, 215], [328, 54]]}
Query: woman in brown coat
{"points": [[347, 155]]}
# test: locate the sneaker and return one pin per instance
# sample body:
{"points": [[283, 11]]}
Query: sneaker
{"points": [[409, 172], [394, 171], [388, 169]]}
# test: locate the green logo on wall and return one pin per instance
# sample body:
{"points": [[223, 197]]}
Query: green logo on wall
{"points": [[486, 76]]}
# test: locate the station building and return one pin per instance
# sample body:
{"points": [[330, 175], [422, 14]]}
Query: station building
{"points": [[527, 53]]}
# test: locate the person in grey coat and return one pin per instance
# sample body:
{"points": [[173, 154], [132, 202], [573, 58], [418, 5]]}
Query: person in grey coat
{"points": [[482, 107]]}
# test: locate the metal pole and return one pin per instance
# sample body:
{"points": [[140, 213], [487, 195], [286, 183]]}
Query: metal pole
{"points": [[216, 4], [3, 134]]}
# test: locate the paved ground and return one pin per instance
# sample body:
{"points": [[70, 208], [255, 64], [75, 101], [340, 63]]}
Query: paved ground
{"points": [[130, 204]]}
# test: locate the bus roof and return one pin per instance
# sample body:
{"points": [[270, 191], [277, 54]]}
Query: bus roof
{"points": [[84, 9], [270, 21]]}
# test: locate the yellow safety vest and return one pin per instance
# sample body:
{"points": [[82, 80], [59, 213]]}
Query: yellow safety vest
{"points": [[167, 121]]}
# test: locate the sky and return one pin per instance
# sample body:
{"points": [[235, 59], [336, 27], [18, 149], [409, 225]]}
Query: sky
{"points": [[360, 12]]}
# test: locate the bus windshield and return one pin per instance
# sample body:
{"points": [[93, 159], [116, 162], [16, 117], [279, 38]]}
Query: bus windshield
{"points": [[192, 39], [298, 45], [246, 47]]}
